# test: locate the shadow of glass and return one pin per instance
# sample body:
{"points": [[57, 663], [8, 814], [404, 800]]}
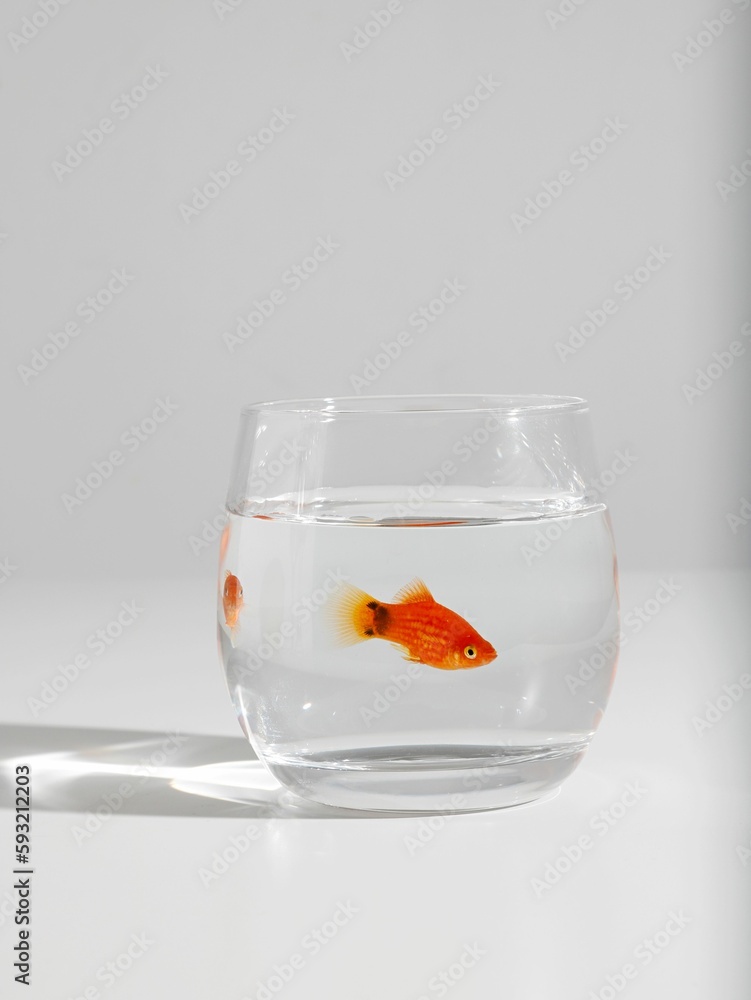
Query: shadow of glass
{"points": [[137, 773]]}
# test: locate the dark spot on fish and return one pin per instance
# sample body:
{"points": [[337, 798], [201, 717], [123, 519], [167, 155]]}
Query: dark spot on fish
{"points": [[369, 631], [372, 605], [381, 619]]}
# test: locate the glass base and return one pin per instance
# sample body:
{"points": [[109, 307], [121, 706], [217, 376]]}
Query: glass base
{"points": [[430, 779]]}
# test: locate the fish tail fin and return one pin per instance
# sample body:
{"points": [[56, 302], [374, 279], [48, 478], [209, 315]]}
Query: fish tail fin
{"points": [[232, 623], [351, 614]]}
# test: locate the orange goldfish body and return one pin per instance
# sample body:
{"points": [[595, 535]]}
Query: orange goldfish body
{"points": [[423, 630], [232, 600]]}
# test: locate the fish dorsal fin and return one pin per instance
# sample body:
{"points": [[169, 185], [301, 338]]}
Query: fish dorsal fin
{"points": [[414, 592]]}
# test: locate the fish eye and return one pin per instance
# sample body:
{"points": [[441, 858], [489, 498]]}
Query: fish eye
{"points": [[470, 652]]}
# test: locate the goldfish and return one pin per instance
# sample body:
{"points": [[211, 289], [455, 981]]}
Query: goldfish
{"points": [[420, 628], [232, 600]]}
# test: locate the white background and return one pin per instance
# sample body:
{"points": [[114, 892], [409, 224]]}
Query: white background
{"points": [[139, 535], [324, 176]]}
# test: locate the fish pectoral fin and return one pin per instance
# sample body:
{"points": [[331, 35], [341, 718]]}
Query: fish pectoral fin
{"points": [[410, 657], [415, 592]]}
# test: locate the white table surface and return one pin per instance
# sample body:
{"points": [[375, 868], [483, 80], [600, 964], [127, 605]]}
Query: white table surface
{"points": [[156, 699]]}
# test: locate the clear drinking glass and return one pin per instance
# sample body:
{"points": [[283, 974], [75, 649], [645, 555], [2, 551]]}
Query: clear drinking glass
{"points": [[418, 604]]}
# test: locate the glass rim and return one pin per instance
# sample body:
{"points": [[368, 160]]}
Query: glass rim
{"points": [[422, 403]]}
